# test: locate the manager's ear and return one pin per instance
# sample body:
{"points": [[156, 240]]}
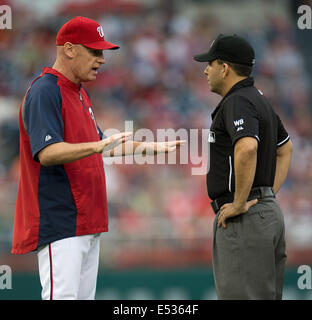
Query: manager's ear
{"points": [[70, 50]]}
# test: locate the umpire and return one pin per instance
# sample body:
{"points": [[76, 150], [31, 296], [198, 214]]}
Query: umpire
{"points": [[250, 154]]}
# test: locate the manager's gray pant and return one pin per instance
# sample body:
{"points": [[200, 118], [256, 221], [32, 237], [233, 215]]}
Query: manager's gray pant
{"points": [[249, 256]]}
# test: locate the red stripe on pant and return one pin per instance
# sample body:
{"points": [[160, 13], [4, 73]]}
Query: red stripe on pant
{"points": [[51, 272]]}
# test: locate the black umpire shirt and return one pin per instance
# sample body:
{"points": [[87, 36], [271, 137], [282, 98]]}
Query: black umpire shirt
{"points": [[243, 112]]}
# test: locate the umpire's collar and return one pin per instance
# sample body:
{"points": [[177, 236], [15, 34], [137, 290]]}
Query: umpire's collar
{"points": [[248, 82]]}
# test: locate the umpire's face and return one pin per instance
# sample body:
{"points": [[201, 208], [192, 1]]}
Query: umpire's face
{"points": [[215, 76], [85, 62]]}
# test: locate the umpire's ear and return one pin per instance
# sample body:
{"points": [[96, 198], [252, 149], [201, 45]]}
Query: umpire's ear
{"points": [[225, 69]]}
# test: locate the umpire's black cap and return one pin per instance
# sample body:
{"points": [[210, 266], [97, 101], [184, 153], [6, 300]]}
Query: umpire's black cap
{"points": [[231, 48]]}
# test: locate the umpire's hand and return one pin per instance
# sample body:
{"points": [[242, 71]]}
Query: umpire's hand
{"points": [[229, 210]]}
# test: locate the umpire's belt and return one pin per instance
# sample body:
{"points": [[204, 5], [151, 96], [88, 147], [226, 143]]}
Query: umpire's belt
{"points": [[255, 193]]}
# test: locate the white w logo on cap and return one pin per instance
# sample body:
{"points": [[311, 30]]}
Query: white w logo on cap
{"points": [[100, 31]]}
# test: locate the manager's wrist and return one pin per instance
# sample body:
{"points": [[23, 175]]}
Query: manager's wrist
{"points": [[146, 148]]}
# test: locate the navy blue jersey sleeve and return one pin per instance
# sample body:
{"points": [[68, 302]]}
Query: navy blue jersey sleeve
{"points": [[240, 118], [42, 114], [282, 135]]}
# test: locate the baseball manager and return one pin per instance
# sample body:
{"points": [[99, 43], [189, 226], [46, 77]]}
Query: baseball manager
{"points": [[61, 206]]}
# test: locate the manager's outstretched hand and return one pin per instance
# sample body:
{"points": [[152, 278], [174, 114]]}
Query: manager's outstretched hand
{"points": [[113, 141], [131, 147], [163, 147]]}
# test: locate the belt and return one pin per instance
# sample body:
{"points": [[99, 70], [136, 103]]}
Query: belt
{"points": [[255, 193]]}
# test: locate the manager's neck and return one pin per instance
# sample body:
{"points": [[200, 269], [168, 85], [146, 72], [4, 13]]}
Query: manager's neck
{"points": [[66, 71]]}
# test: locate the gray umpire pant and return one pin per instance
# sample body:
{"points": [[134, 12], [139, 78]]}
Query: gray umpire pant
{"points": [[249, 255]]}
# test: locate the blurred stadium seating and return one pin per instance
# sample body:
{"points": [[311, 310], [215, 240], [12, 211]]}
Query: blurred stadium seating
{"points": [[160, 215]]}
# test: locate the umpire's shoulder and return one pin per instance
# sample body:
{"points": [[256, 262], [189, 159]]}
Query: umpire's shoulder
{"points": [[237, 100]]}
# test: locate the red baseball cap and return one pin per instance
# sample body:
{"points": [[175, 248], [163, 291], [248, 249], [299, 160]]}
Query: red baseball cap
{"points": [[85, 31]]}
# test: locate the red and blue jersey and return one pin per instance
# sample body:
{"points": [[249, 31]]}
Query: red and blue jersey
{"points": [[59, 201]]}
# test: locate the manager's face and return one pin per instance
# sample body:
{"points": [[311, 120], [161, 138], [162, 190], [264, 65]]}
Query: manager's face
{"points": [[214, 74], [85, 62]]}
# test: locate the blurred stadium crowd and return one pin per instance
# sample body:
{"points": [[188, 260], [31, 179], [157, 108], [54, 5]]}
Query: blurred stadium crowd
{"points": [[160, 214]]}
